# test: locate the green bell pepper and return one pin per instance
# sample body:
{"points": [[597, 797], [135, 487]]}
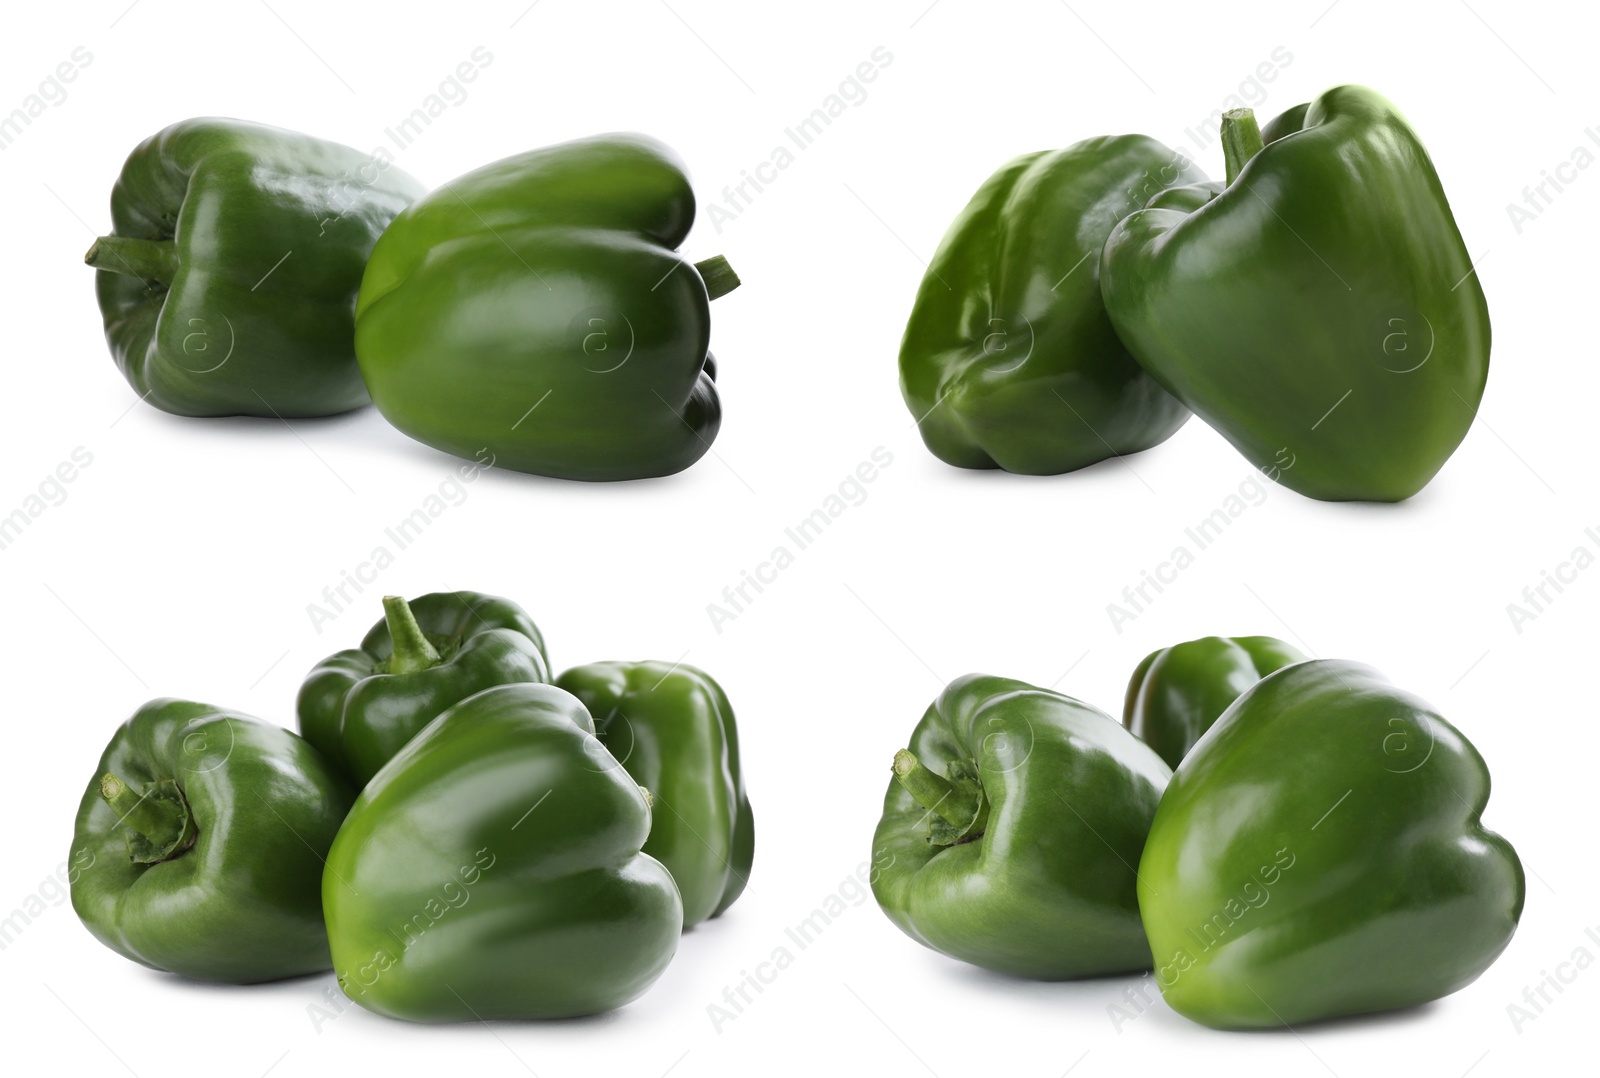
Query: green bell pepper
{"points": [[1009, 360], [1011, 829], [492, 870], [204, 833], [1178, 692], [1322, 312], [672, 727], [1319, 854], [537, 309], [227, 285], [360, 706]]}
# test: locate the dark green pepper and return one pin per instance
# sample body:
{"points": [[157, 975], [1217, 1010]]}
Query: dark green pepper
{"points": [[1011, 830], [672, 727], [1177, 693], [1322, 312], [200, 842], [1320, 853], [229, 281], [537, 308], [1008, 359], [492, 870], [360, 706]]}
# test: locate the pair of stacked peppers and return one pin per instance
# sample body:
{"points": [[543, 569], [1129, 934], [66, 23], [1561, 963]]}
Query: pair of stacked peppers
{"points": [[457, 834], [1318, 851], [1318, 308], [535, 312]]}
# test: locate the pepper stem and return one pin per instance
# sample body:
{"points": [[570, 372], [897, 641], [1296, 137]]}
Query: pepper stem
{"points": [[412, 650], [159, 822], [1241, 140], [960, 808], [150, 260], [718, 276]]}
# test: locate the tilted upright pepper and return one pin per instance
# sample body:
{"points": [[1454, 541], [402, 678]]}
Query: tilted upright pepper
{"points": [[1008, 359], [1011, 829], [1321, 310], [228, 282], [493, 870], [1178, 692], [538, 308], [672, 727], [200, 842], [361, 705], [1320, 853]]}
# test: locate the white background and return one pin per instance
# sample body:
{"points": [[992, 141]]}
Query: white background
{"points": [[183, 559]]}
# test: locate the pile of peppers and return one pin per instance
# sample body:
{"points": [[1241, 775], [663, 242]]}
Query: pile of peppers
{"points": [[535, 312], [1279, 839], [1318, 308], [456, 833]]}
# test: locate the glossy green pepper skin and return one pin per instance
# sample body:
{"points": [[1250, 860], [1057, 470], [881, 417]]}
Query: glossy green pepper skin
{"points": [[1011, 830], [537, 308], [1321, 312], [1319, 853], [672, 727], [492, 870], [1009, 360], [361, 706], [1178, 692], [199, 844], [229, 281]]}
